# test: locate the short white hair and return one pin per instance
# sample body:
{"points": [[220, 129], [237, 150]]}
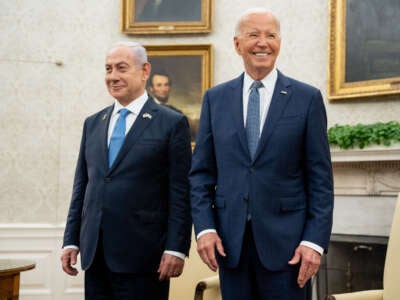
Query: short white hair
{"points": [[254, 10], [138, 51]]}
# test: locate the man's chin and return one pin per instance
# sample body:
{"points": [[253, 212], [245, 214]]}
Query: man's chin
{"points": [[117, 94], [121, 98]]}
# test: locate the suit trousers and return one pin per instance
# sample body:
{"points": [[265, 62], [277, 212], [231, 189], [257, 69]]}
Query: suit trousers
{"points": [[251, 281], [103, 284]]}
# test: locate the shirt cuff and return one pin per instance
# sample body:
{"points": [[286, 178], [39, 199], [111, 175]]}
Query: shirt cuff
{"points": [[71, 247], [204, 232], [175, 253], [311, 245]]}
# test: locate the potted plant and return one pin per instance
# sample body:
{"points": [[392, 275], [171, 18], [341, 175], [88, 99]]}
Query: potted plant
{"points": [[377, 141]]}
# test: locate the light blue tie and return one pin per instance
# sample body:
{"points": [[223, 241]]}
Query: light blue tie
{"points": [[118, 136], [253, 117]]}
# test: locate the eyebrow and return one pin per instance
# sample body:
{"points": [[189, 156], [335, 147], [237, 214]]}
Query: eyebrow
{"points": [[118, 63]]}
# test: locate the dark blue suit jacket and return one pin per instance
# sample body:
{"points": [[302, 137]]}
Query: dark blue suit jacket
{"points": [[287, 188], [141, 203]]}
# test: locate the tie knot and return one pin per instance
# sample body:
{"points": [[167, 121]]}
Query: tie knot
{"points": [[123, 112], [256, 85]]}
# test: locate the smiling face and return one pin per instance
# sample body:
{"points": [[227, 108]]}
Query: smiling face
{"points": [[125, 80], [258, 41]]}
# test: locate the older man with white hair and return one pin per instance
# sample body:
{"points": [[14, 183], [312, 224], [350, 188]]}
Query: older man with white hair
{"points": [[261, 177]]}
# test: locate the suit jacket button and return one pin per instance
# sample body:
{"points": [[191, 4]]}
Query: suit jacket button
{"points": [[251, 170], [107, 179]]}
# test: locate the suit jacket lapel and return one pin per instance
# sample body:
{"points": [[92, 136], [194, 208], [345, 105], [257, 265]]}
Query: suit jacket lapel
{"points": [[236, 103], [105, 123], [279, 101], [145, 117]]}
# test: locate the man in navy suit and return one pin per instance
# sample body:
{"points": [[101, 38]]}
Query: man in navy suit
{"points": [[262, 211], [129, 216]]}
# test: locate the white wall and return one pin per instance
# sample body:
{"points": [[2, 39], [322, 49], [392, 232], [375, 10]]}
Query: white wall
{"points": [[43, 105], [40, 243]]}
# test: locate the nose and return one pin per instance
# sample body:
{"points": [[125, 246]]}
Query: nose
{"points": [[263, 40], [112, 76]]}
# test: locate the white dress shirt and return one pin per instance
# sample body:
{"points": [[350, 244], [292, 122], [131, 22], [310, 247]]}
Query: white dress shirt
{"points": [[265, 93], [134, 107]]}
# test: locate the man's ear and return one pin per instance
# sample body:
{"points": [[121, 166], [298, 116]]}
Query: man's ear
{"points": [[146, 68], [237, 45]]}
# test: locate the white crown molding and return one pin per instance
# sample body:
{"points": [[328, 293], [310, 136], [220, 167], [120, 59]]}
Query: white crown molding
{"points": [[369, 153]]}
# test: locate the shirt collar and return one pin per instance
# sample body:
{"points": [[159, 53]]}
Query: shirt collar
{"points": [[134, 107], [268, 81], [156, 100]]}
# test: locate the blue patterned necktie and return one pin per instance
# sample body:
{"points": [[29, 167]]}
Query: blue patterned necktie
{"points": [[253, 117], [118, 136]]}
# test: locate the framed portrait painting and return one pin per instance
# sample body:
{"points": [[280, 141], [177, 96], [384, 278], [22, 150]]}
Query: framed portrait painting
{"points": [[179, 77], [364, 48], [166, 16]]}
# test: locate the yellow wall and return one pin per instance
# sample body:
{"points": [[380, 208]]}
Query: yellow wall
{"points": [[182, 288]]}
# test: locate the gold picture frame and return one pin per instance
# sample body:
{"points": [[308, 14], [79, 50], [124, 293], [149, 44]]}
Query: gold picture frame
{"points": [[190, 72], [363, 54], [170, 17]]}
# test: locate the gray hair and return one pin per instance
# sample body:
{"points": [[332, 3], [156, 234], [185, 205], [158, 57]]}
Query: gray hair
{"points": [[254, 10], [138, 51]]}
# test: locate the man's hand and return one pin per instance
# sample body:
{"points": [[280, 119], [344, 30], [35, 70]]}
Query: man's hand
{"points": [[170, 266], [310, 261], [206, 245], [68, 260]]}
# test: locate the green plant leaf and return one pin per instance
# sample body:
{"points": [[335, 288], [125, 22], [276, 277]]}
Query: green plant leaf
{"points": [[362, 135]]}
